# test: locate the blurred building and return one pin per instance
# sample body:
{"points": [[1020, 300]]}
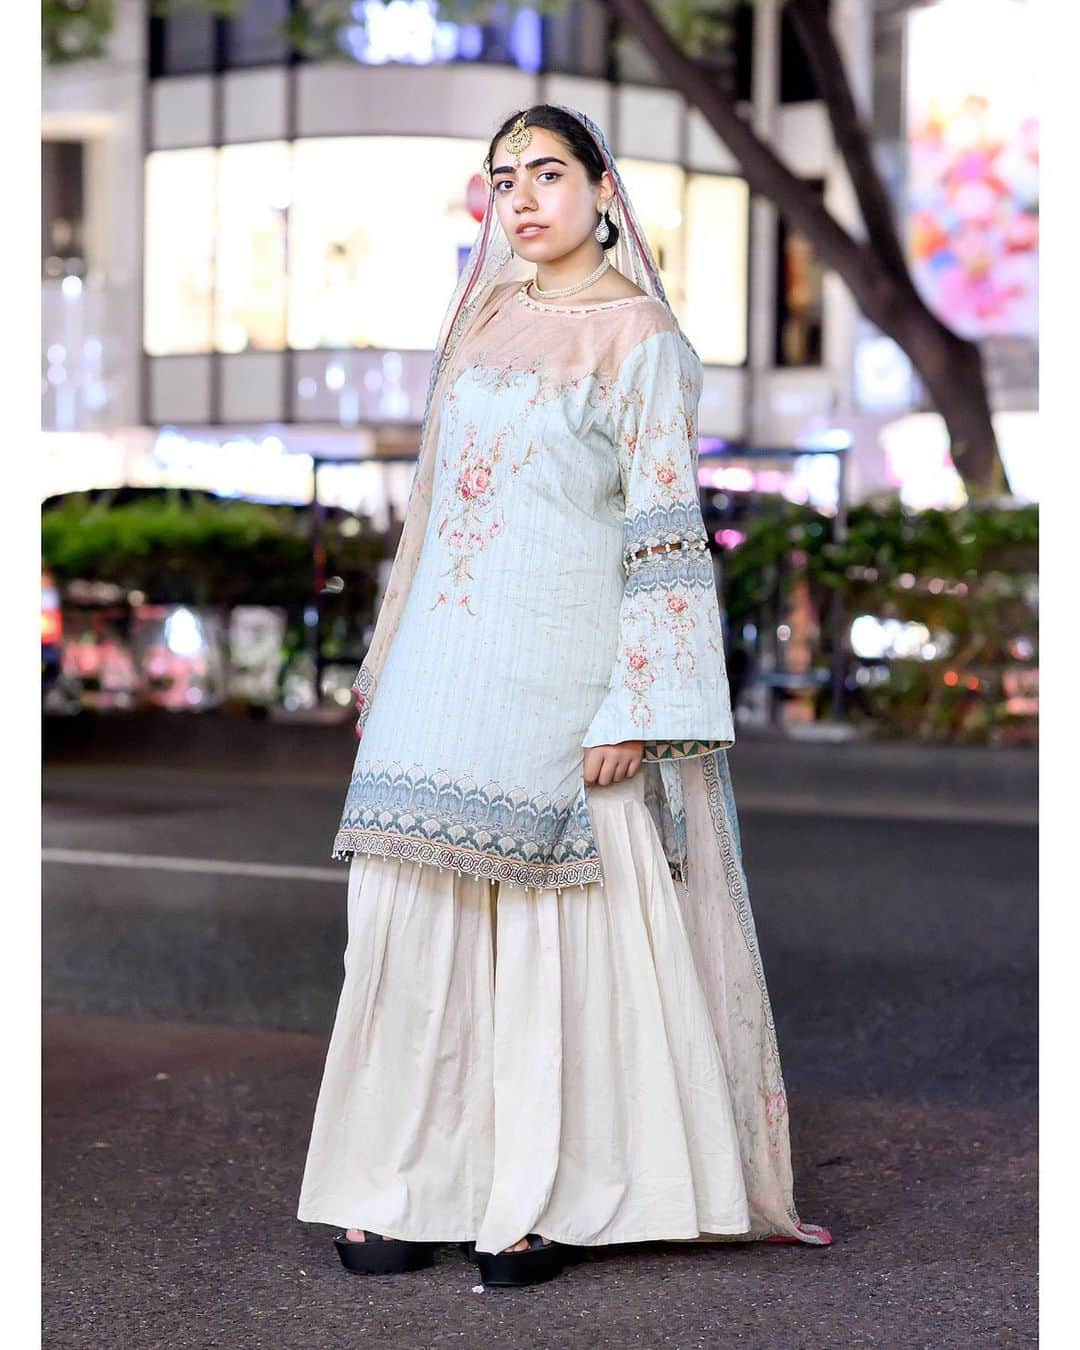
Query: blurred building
{"points": [[246, 254]]}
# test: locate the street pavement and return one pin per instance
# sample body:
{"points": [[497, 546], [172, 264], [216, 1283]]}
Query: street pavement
{"points": [[194, 927]]}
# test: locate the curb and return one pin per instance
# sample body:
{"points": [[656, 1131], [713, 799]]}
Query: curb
{"points": [[856, 777]]}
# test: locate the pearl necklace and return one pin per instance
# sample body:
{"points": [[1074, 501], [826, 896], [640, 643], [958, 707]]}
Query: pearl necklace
{"points": [[571, 290]]}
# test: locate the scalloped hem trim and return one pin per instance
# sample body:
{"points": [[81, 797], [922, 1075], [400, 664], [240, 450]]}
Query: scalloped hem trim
{"points": [[482, 866]]}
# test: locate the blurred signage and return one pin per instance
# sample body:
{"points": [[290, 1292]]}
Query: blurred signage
{"points": [[883, 375], [258, 468], [76, 461], [411, 31], [476, 196], [973, 164], [919, 463]]}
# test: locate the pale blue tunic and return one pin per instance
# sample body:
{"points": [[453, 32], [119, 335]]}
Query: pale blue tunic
{"points": [[530, 631]]}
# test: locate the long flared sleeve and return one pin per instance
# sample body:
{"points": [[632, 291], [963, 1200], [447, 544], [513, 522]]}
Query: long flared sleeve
{"points": [[669, 684]]}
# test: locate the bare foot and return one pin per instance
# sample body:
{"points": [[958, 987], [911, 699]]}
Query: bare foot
{"points": [[355, 1235], [522, 1245]]}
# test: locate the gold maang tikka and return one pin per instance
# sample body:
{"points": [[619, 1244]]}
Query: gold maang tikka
{"points": [[518, 138]]}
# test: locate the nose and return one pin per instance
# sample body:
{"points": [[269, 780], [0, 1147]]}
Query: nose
{"points": [[523, 197]]}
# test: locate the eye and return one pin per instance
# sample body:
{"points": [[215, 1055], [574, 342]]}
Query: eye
{"points": [[509, 182]]}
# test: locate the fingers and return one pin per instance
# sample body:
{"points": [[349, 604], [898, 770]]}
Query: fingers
{"points": [[606, 764]]}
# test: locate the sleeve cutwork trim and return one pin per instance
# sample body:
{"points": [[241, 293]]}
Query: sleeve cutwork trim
{"points": [[632, 556]]}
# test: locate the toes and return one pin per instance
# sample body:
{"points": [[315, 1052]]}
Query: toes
{"points": [[522, 1245]]}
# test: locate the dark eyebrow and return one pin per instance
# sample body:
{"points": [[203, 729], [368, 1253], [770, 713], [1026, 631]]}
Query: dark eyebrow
{"points": [[532, 164]]}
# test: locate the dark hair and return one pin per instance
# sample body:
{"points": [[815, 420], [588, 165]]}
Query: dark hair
{"points": [[573, 135]]}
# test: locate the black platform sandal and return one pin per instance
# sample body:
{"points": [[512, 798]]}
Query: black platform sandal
{"points": [[539, 1261], [378, 1255]]}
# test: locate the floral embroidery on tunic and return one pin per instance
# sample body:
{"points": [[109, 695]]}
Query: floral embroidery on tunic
{"points": [[658, 604], [472, 517], [498, 376]]}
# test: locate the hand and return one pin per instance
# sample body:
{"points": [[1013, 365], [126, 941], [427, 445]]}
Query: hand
{"points": [[606, 764]]}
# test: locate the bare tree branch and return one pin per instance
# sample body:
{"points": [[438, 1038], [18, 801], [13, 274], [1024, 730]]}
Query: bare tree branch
{"points": [[811, 23]]}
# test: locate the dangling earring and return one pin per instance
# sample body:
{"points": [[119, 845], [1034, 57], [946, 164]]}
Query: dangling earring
{"points": [[602, 232]]}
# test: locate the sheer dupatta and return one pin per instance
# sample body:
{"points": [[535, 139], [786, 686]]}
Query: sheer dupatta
{"points": [[691, 798]]}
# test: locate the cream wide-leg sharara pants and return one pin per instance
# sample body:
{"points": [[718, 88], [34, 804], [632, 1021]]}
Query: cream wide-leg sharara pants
{"points": [[507, 1060]]}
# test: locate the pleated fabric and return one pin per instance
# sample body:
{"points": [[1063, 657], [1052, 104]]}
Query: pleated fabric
{"points": [[507, 1059]]}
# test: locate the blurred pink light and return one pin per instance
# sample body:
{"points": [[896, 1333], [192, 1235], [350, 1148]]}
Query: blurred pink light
{"points": [[732, 477]]}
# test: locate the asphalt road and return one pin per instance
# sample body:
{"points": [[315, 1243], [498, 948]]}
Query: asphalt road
{"points": [[193, 934]]}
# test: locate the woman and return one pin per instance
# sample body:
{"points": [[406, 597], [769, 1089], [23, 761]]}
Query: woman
{"points": [[543, 1043]]}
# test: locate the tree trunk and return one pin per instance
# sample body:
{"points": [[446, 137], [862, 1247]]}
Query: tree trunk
{"points": [[951, 368]]}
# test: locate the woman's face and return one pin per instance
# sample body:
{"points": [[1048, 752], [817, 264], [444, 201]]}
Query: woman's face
{"points": [[550, 193]]}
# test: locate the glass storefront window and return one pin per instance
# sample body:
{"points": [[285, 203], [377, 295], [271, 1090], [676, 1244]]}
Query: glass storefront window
{"points": [[742, 53], [800, 296], [253, 205], [727, 51], [179, 256], [377, 220], [634, 62], [183, 43], [316, 244], [657, 193], [63, 208], [797, 83], [575, 41], [257, 34], [717, 238]]}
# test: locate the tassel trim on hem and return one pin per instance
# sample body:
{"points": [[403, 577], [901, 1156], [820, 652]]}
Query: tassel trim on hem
{"points": [[345, 853], [540, 876]]}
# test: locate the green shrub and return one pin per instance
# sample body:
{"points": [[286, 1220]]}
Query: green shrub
{"points": [[180, 549], [969, 575]]}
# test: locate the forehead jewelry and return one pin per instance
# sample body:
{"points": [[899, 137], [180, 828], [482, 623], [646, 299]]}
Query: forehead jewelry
{"points": [[518, 138]]}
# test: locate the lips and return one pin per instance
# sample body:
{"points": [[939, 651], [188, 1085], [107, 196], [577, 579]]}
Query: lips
{"points": [[528, 230]]}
